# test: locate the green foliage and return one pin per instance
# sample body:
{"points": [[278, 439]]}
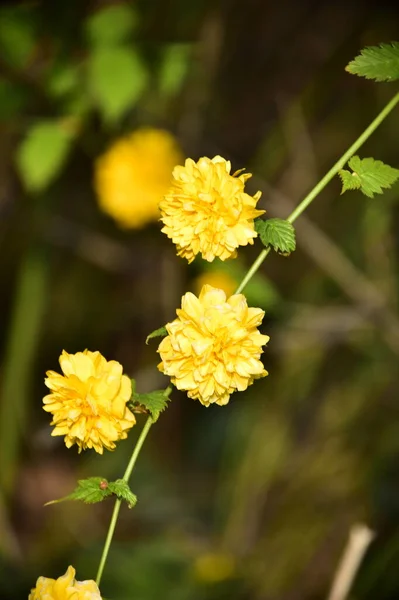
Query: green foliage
{"points": [[17, 35], [111, 25], [116, 78], [63, 79], [121, 489], [369, 176], [42, 153], [277, 233], [161, 332], [380, 63], [96, 489], [90, 491], [154, 402], [173, 68]]}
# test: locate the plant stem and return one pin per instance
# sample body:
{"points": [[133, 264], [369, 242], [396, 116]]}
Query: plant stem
{"points": [[324, 181], [115, 514], [255, 266]]}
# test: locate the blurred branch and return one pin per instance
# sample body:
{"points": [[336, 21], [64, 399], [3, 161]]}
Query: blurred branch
{"points": [[199, 88], [360, 537], [87, 243], [24, 330], [324, 252]]}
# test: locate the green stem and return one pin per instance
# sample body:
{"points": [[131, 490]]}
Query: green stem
{"points": [[115, 514], [324, 181]]}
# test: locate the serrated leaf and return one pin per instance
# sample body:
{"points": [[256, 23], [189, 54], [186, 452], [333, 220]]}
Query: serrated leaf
{"points": [[173, 68], [121, 489], [117, 77], [111, 24], [369, 176], [42, 154], [380, 63], [90, 491], [155, 402], [161, 332], [277, 233]]}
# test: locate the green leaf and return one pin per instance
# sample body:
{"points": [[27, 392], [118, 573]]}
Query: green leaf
{"points": [[63, 79], [278, 233], [161, 332], [380, 63], [121, 489], [155, 402], [117, 77], [90, 491], [111, 25], [369, 176], [42, 154], [173, 68], [17, 35]]}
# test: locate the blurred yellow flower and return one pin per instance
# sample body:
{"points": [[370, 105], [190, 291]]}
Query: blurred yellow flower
{"points": [[213, 347], [134, 174], [217, 279], [213, 567], [206, 210], [88, 401], [65, 588]]}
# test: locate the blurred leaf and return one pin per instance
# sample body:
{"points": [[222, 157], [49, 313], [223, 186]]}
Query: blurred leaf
{"points": [[173, 68], [121, 489], [90, 491], [63, 79], [161, 332], [369, 176], [12, 99], [17, 35], [155, 402], [42, 154], [117, 78], [380, 63], [111, 25], [278, 233], [261, 292]]}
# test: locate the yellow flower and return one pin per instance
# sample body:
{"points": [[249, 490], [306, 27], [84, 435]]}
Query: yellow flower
{"points": [[206, 210], [65, 588], [88, 401], [219, 279], [134, 174], [213, 347]]}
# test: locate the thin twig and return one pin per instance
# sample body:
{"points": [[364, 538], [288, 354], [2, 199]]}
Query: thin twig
{"points": [[360, 537]]}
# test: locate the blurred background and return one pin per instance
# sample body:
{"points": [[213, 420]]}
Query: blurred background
{"points": [[255, 500]]}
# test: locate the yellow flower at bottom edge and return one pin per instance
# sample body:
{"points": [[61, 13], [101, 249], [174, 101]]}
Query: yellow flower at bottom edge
{"points": [[206, 210], [88, 402], [134, 174], [213, 348], [65, 588]]}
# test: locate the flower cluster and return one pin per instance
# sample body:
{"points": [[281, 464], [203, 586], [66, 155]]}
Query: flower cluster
{"points": [[88, 402], [213, 347], [134, 174], [65, 588], [206, 210]]}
